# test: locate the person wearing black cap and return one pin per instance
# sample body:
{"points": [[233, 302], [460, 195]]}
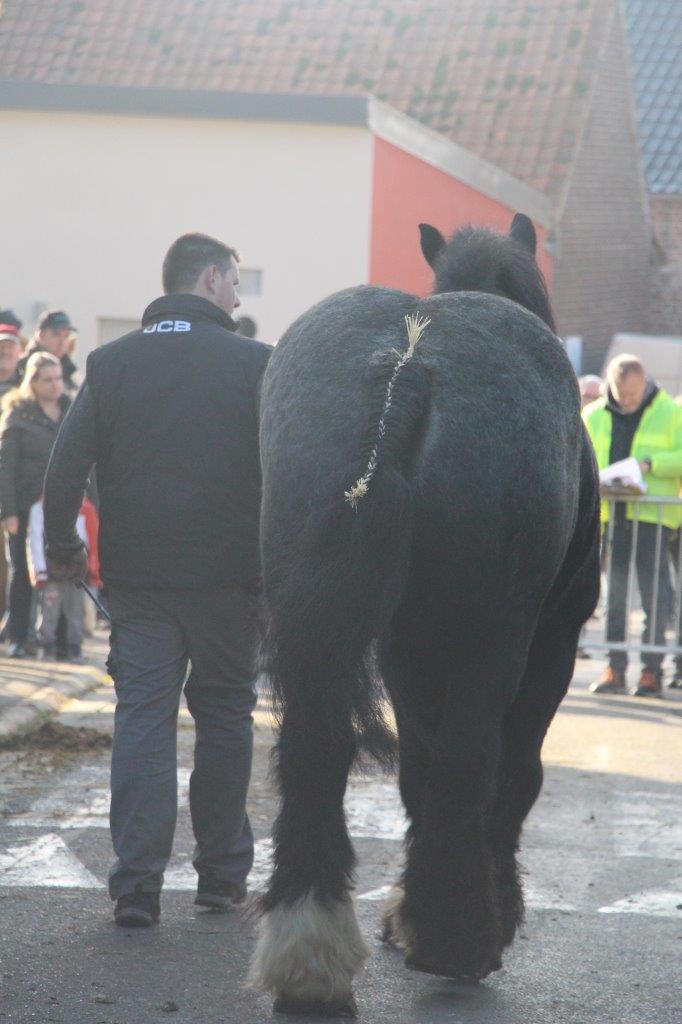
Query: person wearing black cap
{"points": [[169, 416], [53, 332]]}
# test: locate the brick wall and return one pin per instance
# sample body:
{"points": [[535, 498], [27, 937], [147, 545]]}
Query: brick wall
{"points": [[602, 281], [665, 316]]}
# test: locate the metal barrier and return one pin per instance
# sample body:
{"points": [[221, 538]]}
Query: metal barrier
{"points": [[666, 571]]}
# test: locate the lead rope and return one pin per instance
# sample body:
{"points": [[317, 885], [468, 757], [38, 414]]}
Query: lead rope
{"points": [[416, 325]]}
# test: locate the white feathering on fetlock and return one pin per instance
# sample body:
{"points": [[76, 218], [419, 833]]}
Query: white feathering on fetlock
{"points": [[395, 931], [308, 950]]}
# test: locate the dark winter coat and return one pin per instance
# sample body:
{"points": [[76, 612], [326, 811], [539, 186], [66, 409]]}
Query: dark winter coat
{"points": [[27, 435], [169, 416]]}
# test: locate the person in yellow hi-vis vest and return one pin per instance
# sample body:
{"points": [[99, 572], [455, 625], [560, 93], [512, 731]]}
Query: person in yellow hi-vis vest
{"points": [[637, 418]]}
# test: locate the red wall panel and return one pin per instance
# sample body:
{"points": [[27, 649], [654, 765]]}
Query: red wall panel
{"points": [[406, 192]]}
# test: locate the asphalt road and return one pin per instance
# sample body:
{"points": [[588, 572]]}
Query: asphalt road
{"points": [[602, 850]]}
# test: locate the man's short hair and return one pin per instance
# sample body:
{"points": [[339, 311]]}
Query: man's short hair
{"points": [[622, 365], [188, 256]]}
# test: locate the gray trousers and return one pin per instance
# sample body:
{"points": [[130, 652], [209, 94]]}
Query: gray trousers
{"points": [[155, 634], [55, 597]]}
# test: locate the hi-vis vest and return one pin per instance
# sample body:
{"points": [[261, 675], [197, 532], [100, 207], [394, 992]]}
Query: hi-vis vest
{"points": [[659, 438]]}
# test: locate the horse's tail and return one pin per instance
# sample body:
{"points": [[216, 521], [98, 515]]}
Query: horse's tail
{"points": [[353, 557]]}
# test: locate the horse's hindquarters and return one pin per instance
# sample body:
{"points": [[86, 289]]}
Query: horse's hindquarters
{"points": [[446, 559]]}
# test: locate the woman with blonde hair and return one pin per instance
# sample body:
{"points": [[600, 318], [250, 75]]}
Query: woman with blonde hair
{"points": [[31, 416]]}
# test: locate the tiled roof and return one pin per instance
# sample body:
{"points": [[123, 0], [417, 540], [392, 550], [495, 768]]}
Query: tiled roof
{"points": [[508, 79], [655, 36]]}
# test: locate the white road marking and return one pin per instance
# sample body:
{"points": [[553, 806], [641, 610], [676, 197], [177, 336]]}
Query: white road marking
{"points": [[183, 878], [652, 902], [540, 899], [649, 825], [374, 809], [645, 824], [535, 898], [46, 861], [82, 802]]}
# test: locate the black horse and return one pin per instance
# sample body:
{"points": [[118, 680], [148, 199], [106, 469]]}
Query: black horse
{"points": [[430, 519]]}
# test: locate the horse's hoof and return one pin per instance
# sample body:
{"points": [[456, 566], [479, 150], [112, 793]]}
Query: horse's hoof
{"points": [[393, 932], [298, 1007], [441, 970], [386, 935]]}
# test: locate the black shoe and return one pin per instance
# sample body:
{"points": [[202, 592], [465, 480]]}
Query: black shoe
{"points": [[137, 909], [48, 652], [16, 650], [217, 895]]}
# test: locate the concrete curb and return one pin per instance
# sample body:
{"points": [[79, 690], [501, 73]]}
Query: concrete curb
{"points": [[47, 698]]}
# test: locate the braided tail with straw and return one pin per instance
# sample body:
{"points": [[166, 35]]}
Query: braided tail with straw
{"points": [[416, 325]]}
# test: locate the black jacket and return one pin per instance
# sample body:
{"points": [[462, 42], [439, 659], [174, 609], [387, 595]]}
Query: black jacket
{"points": [[27, 435], [169, 416]]}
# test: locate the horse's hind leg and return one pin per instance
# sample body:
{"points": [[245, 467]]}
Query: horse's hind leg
{"points": [[549, 670], [310, 945], [448, 920], [408, 696]]}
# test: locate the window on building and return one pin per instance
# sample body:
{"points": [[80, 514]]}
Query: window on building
{"points": [[111, 328]]}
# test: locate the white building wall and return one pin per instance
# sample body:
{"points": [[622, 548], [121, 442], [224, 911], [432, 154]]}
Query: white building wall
{"points": [[91, 203]]}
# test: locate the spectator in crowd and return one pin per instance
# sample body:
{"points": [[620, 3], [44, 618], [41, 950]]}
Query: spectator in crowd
{"points": [[8, 316], [637, 418], [55, 597], [10, 352], [168, 415], [676, 681], [31, 417], [53, 334], [590, 389], [247, 327], [675, 560]]}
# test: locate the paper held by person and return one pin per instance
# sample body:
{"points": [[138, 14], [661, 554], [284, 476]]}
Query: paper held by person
{"points": [[624, 475]]}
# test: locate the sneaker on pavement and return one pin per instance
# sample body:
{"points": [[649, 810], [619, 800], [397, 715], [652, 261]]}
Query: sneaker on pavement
{"points": [[137, 909], [612, 680], [649, 685], [217, 895]]}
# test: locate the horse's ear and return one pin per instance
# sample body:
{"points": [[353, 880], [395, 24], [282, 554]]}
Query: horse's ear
{"points": [[432, 242], [522, 231]]}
